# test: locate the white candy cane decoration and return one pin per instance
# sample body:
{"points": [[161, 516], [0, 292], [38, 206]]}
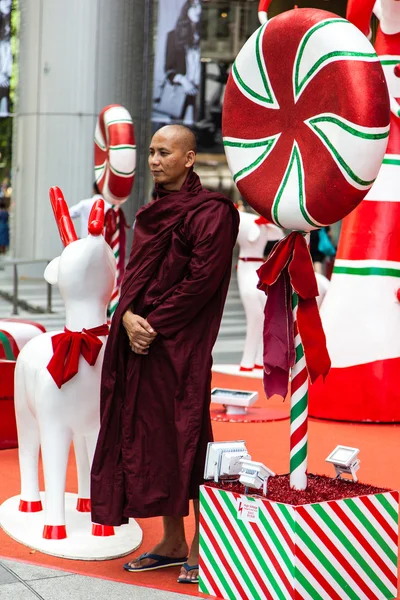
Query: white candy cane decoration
{"points": [[115, 246], [298, 412], [115, 163]]}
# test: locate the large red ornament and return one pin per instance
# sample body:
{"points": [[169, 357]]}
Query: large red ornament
{"points": [[306, 119]]}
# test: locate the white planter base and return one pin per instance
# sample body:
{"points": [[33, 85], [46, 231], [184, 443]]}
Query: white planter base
{"points": [[80, 544]]}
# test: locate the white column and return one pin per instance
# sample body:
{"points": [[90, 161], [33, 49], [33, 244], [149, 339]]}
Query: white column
{"points": [[75, 58]]}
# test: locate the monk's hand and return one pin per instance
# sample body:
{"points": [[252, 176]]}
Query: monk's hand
{"points": [[139, 331]]}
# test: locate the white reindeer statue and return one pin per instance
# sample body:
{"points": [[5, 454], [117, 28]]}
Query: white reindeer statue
{"points": [[57, 378]]}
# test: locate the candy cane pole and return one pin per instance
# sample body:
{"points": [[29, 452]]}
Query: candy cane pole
{"points": [[115, 247], [298, 411]]}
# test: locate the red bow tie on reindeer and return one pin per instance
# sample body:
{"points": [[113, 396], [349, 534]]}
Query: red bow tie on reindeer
{"points": [[78, 270], [303, 152]]}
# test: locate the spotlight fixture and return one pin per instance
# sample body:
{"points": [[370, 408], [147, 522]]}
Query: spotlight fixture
{"points": [[235, 402], [254, 475], [223, 459], [345, 461]]}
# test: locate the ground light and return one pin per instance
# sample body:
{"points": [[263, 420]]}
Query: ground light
{"points": [[254, 475], [235, 402], [345, 461], [223, 459]]}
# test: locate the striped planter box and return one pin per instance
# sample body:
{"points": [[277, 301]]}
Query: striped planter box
{"points": [[252, 548]]}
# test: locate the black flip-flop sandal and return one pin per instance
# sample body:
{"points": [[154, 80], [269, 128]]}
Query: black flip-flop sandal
{"points": [[189, 568], [161, 562]]}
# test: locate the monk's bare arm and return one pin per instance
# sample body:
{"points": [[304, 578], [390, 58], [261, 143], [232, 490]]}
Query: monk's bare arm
{"points": [[213, 236], [139, 331]]}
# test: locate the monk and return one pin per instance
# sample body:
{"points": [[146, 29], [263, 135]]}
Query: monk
{"points": [[155, 393]]}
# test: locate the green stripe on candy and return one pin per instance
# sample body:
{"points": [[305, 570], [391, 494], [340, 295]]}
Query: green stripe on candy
{"points": [[227, 546], [119, 121], [261, 66], [297, 459], [299, 408], [8, 351], [299, 352], [126, 147], [349, 128], [344, 540], [392, 556], [247, 89], [388, 507], [259, 557], [381, 271], [341, 161], [295, 156], [391, 161], [268, 147], [300, 85]]}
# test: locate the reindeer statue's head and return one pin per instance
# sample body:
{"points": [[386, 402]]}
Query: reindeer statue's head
{"points": [[85, 271]]}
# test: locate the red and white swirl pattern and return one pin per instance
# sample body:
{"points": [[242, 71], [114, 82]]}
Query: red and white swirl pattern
{"points": [[114, 154], [306, 119]]}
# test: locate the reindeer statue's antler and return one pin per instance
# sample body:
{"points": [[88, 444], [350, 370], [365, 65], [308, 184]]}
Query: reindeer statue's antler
{"points": [[96, 218], [61, 213]]}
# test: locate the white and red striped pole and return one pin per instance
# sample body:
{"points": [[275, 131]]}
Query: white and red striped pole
{"points": [[115, 247], [298, 411]]}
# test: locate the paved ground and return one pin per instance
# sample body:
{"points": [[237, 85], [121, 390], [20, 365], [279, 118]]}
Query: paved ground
{"points": [[19, 581]]}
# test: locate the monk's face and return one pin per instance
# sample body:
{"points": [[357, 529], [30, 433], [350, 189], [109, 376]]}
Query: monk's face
{"points": [[169, 158]]}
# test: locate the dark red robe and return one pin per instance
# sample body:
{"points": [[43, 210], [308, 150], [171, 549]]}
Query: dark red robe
{"points": [[155, 422]]}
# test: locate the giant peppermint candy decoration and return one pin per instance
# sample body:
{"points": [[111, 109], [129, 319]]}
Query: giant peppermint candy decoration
{"points": [[306, 119]]}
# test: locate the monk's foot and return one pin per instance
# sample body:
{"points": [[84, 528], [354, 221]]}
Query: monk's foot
{"points": [[173, 550], [190, 570]]}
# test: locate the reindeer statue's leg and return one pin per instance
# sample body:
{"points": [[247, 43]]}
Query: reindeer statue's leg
{"points": [[98, 530], [83, 469], [56, 441], [28, 443]]}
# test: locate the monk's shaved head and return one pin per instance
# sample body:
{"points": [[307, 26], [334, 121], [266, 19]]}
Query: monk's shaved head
{"points": [[172, 153], [183, 135]]}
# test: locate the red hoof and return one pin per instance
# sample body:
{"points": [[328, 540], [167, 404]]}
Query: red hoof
{"points": [[30, 507], [83, 505], [102, 530], [259, 367], [54, 532], [247, 369]]}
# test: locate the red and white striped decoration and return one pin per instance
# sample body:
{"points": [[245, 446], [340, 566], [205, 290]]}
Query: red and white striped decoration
{"points": [[115, 247], [255, 549], [298, 412], [14, 334], [290, 98]]}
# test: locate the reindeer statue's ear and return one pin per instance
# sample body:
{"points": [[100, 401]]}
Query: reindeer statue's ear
{"points": [[359, 12], [61, 213], [263, 10], [51, 271]]}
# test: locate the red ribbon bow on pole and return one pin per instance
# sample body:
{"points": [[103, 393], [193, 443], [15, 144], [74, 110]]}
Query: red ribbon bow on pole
{"points": [[68, 347], [290, 266]]}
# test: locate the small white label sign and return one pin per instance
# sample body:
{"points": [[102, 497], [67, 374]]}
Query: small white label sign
{"points": [[247, 511]]}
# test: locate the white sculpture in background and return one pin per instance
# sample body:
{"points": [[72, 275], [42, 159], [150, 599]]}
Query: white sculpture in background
{"points": [[51, 417], [254, 233]]}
